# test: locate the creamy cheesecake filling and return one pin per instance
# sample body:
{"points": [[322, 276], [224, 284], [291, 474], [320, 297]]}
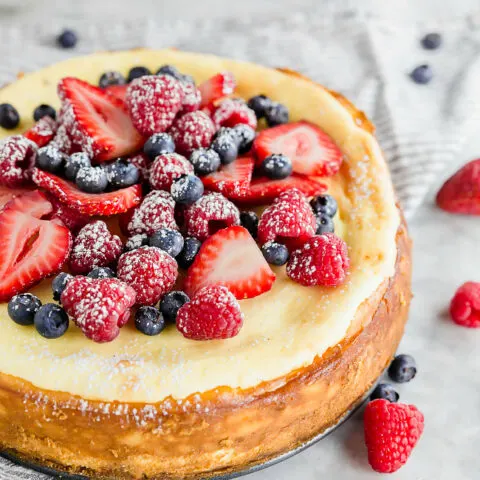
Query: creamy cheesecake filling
{"points": [[284, 329]]}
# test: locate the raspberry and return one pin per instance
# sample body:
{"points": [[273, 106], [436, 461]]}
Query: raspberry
{"points": [[322, 260], [167, 168], [233, 111], [213, 313], [62, 140], [151, 272], [43, 131], [289, 220], [73, 220], [191, 131], [209, 214], [156, 211], [465, 305], [191, 99], [94, 246], [99, 307], [153, 102], [17, 158], [142, 162], [391, 432]]}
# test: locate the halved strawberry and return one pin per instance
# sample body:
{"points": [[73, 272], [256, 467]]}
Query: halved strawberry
{"points": [[97, 121], [217, 87], [104, 204], [42, 132], [311, 150], [7, 194], [230, 258], [119, 91], [233, 180], [31, 249]]}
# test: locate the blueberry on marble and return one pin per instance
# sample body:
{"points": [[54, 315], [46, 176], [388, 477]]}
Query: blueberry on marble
{"points": [[9, 117], [168, 240], [171, 303], [275, 253], [23, 307], [59, 283], [402, 369], [67, 39], [431, 41], [51, 321], [185, 258], [422, 74], [187, 189], [385, 391], [44, 110], [149, 321]]}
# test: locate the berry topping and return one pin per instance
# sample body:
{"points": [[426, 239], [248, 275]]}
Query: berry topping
{"points": [[213, 313], [249, 220], [151, 272], [277, 166], [143, 165], [9, 117], [465, 305], [94, 246], [230, 257], [402, 369], [43, 132], [59, 283], [275, 253], [233, 111], [44, 110], [259, 105], [431, 41], [149, 321], [187, 189], [385, 391], [119, 91], [7, 194], [324, 204], [217, 87], [226, 147], [205, 161], [74, 163], [422, 74], [73, 220], [158, 144], [31, 249], [122, 174], [22, 308], [104, 204], [171, 303], [137, 241], [137, 72], [323, 260], [51, 321], [111, 78], [169, 70], [310, 149], [153, 102], [391, 432], [191, 97], [191, 247], [324, 224], [276, 114], [67, 39], [91, 179], [245, 137], [17, 157], [191, 131], [99, 307], [166, 168], [101, 272], [209, 214], [170, 241], [51, 159]]}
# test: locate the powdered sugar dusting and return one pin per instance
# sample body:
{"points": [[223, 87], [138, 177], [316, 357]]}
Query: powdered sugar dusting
{"points": [[17, 158], [166, 168]]}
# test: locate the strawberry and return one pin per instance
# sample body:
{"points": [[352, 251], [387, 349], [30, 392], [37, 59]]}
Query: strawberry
{"points": [[191, 97], [31, 248], [64, 215], [215, 88], [104, 204], [461, 192], [119, 91], [6, 194], [233, 180], [97, 122], [231, 258], [311, 150], [42, 132]]}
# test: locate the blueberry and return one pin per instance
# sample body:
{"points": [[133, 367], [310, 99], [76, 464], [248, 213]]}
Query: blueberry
{"points": [[187, 78], [9, 117], [422, 74], [101, 272], [245, 137], [277, 166], [276, 114], [22, 308], [50, 159], [74, 163], [122, 174], [51, 321], [171, 303], [137, 72], [386, 391], [59, 284], [137, 241], [259, 105], [431, 41], [226, 147], [324, 204], [185, 258], [171, 71], [91, 179], [111, 78], [249, 220], [170, 241], [324, 224], [205, 161], [402, 369], [44, 110], [158, 144], [67, 39], [187, 189], [149, 321], [275, 253]]}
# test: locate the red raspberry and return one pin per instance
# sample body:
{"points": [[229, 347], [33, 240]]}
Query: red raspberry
{"points": [[192, 97], [72, 219], [156, 211], [322, 260], [209, 214], [233, 111], [99, 307], [391, 432], [62, 140], [17, 158], [465, 305], [167, 168], [153, 102], [42, 132], [151, 272], [94, 246], [289, 220], [213, 313], [142, 162], [191, 131]]}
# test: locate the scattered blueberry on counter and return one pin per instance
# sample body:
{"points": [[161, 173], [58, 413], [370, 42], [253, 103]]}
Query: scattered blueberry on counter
{"points": [[111, 78], [185, 258], [137, 72], [171, 303], [386, 391], [277, 166], [67, 39], [44, 110], [402, 369], [23, 307], [431, 41], [51, 321], [275, 253], [422, 74], [9, 117], [170, 241], [59, 284], [149, 321]]}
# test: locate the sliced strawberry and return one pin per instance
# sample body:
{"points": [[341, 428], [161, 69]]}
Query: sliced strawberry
{"points": [[104, 204], [97, 121], [31, 249], [311, 150], [6, 194], [232, 180], [217, 87], [42, 132], [119, 91], [230, 258]]}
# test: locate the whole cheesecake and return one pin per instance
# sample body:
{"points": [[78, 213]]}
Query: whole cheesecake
{"points": [[168, 407]]}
